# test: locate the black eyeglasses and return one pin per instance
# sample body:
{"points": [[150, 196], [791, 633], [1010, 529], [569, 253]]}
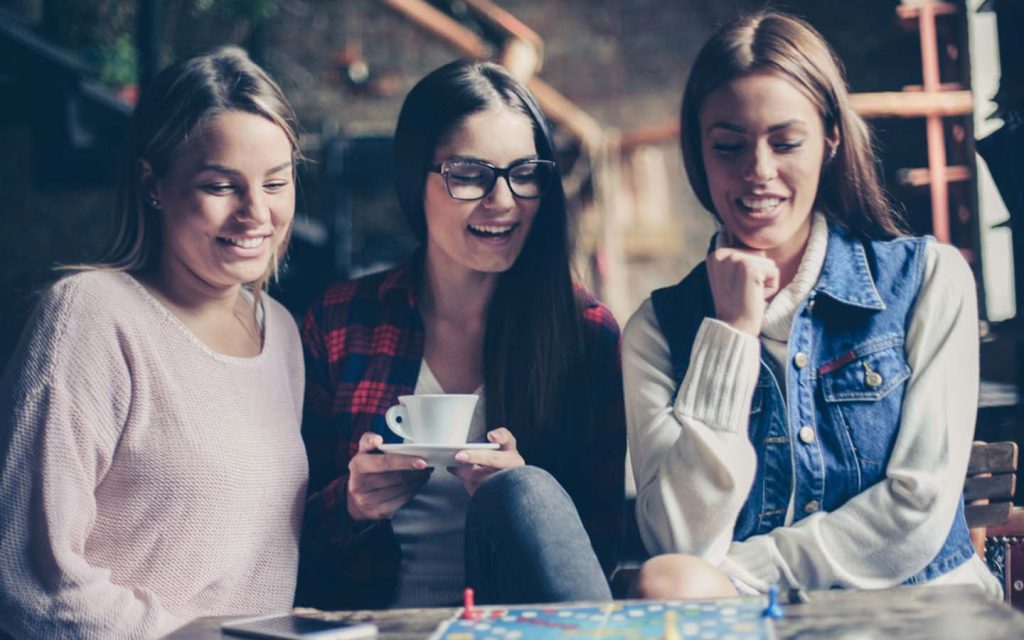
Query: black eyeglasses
{"points": [[467, 179]]}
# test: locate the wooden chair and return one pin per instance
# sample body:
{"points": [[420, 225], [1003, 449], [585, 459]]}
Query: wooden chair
{"points": [[997, 526], [991, 480]]}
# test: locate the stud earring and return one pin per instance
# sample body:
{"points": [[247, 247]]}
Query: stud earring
{"points": [[831, 154], [154, 202]]}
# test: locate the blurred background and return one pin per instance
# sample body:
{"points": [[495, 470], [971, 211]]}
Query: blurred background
{"points": [[941, 83]]}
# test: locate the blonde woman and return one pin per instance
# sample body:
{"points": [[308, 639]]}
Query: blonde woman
{"points": [[151, 466]]}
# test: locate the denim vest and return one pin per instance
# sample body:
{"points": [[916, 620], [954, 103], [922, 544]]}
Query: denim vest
{"points": [[846, 374]]}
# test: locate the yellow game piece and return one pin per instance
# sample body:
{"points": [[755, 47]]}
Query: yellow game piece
{"points": [[671, 632]]}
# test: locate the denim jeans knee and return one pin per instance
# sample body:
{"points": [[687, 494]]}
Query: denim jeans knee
{"points": [[513, 490], [525, 542]]}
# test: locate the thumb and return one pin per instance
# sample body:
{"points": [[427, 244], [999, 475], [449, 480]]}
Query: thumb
{"points": [[369, 441]]}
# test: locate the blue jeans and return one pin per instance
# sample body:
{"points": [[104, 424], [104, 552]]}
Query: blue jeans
{"points": [[525, 543]]}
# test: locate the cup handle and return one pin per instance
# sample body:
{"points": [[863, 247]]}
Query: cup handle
{"points": [[395, 416]]}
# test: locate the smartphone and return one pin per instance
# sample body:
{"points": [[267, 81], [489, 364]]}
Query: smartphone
{"points": [[298, 628]]}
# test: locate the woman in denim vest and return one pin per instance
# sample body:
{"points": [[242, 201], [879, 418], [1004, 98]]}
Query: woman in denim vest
{"points": [[801, 406]]}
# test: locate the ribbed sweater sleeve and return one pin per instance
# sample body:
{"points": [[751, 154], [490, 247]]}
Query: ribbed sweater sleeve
{"points": [[691, 456]]}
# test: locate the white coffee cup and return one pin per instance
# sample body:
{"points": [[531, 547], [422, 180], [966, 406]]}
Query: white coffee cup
{"points": [[433, 418]]}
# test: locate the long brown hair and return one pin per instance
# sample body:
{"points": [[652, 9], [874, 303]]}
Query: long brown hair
{"points": [[850, 193]]}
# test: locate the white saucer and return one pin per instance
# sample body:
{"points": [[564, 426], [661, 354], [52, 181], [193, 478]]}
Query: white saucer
{"points": [[437, 455]]}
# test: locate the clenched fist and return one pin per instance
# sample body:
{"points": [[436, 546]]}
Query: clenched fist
{"points": [[742, 282]]}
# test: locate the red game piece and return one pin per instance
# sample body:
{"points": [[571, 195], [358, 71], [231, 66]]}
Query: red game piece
{"points": [[469, 612]]}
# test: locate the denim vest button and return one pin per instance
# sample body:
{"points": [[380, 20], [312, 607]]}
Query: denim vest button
{"points": [[801, 360], [806, 435], [872, 378], [812, 506]]}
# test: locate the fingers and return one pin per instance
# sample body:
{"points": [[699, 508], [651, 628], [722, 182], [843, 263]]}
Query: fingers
{"points": [[364, 462], [368, 482], [740, 283], [482, 464], [503, 438], [746, 260], [506, 457], [496, 459], [370, 441], [382, 502], [380, 483], [387, 508]]}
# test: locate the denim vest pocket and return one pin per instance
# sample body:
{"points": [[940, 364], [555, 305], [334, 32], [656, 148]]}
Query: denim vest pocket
{"points": [[863, 390]]}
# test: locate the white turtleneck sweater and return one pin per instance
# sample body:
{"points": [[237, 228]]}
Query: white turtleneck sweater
{"points": [[694, 463], [145, 479]]}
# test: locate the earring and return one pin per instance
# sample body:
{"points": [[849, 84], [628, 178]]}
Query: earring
{"points": [[831, 153], [154, 202]]}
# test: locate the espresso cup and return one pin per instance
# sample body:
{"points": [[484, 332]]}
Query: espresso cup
{"points": [[433, 419]]}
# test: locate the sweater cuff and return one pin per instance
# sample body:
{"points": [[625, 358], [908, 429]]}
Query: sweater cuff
{"points": [[752, 565], [719, 383]]}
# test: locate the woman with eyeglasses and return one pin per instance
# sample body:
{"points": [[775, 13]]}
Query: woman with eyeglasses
{"points": [[486, 305]]}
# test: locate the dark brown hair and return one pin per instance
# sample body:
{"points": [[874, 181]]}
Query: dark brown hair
{"points": [[850, 193]]}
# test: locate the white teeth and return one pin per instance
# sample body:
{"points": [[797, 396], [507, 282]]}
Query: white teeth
{"points": [[245, 243], [492, 229], [760, 204]]}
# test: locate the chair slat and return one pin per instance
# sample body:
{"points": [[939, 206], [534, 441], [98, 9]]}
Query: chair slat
{"points": [[994, 487], [1014, 525], [993, 457], [983, 515]]}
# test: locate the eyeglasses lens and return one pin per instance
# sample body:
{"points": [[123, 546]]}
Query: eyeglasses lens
{"points": [[472, 181]]}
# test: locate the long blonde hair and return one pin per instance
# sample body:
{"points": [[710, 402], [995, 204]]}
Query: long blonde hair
{"points": [[850, 193], [181, 100]]}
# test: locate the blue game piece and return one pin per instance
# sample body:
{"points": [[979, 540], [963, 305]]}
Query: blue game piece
{"points": [[774, 609]]}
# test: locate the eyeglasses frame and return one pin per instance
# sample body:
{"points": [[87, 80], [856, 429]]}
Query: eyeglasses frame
{"points": [[499, 172]]}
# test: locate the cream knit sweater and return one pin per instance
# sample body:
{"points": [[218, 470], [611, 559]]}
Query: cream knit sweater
{"points": [[144, 479]]}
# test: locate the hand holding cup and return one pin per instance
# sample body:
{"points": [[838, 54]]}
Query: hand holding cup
{"points": [[380, 484], [482, 464]]}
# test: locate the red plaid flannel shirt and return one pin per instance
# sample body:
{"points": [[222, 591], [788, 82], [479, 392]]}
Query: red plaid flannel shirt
{"points": [[364, 343]]}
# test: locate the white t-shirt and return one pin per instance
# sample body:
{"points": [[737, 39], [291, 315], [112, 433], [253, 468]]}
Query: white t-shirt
{"points": [[429, 528]]}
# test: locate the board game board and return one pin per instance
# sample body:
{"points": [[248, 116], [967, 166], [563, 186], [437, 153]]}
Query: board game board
{"points": [[732, 619]]}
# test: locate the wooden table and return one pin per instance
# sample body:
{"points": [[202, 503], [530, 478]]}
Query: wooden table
{"points": [[909, 613]]}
